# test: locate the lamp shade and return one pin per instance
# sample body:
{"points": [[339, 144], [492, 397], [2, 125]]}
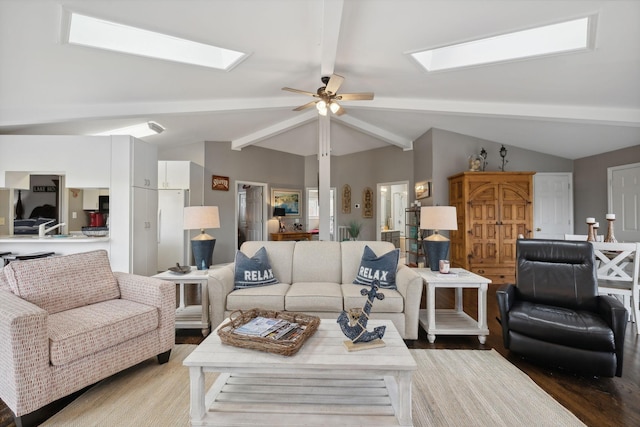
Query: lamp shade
{"points": [[279, 212], [201, 217], [438, 218]]}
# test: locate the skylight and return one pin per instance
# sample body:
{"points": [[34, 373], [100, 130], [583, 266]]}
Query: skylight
{"points": [[139, 130], [92, 32], [564, 37]]}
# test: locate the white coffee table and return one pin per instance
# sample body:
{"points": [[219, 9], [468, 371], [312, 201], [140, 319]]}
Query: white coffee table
{"points": [[454, 321], [321, 385]]}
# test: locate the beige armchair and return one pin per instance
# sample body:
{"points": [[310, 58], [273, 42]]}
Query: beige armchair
{"points": [[67, 322]]}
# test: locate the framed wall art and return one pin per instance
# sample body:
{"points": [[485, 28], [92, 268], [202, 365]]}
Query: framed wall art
{"points": [[289, 200], [367, 203], [423, 189], [346, 199]]}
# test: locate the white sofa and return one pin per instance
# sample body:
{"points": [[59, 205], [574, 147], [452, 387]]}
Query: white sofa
{"points": [[316, 278]]}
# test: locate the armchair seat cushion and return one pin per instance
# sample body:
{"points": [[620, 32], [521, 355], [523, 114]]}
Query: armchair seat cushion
{"points": [[79, 332], [267, 297], [560, 325], [392, 302], [314, 296]]}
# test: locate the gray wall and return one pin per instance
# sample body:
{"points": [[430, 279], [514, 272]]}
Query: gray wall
{"points": [[191, 152], [278, 169], [451, 153], [437, 155], [590, 184], [367, 169]]}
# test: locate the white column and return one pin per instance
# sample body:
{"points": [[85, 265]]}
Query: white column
{"points": [[324, 178]]}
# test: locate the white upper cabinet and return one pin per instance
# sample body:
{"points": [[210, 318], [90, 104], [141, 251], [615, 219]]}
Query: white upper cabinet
{"points": [[144, 164], [174, 174]]}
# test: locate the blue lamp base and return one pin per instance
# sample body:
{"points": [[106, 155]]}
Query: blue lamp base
{"points": [[435, 251], [203, 252]]}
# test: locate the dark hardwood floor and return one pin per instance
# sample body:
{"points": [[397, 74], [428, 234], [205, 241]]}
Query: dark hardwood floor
{"points": [[598, 402]]}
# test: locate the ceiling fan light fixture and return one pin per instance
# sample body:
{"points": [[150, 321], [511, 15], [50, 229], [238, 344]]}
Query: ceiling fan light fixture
{"points": [[321, 105], [334, 107]]}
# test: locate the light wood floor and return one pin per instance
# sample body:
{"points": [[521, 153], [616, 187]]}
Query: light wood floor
{"points": [[598, 402]]}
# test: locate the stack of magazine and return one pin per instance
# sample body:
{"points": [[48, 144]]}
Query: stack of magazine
{"points": [[277, 329]]}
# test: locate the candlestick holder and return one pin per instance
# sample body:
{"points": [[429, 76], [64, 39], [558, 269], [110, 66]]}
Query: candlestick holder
{"points": [[595, 231], [610, 237], [590, 236]]}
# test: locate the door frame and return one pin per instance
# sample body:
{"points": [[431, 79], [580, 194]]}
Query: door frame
{"points": [[265, 201], [379, 205], [620, 216]]}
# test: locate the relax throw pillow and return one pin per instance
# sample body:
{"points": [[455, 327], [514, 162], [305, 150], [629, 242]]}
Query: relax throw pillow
{"points": [[254, 271], [383, 268]]}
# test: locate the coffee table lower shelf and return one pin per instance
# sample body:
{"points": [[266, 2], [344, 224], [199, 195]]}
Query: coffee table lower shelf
{"points": [[247, 400]]}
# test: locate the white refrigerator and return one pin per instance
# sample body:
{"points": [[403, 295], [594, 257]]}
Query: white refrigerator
{"points": [[173, 240]]}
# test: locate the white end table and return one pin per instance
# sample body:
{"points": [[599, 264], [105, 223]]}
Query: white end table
{"points": [[454, 321], [191, 316]]}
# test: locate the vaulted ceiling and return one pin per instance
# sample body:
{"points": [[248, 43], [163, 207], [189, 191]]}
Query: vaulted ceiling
{"points": [[571, 105]]}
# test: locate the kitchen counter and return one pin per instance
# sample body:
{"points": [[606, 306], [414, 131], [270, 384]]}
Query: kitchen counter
{"points": [[63, 245], [71, 238]]}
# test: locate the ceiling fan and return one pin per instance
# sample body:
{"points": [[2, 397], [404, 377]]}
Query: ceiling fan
{"points": [[328, 96]]}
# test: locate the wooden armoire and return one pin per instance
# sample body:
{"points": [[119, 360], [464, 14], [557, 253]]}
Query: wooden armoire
{"points": [[493, 208]]}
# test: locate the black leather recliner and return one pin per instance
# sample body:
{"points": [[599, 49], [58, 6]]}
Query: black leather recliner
{"points": [[554, 315]]}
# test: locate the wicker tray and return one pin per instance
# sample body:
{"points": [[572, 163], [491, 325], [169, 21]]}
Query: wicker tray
{"points": [[270, 345]]}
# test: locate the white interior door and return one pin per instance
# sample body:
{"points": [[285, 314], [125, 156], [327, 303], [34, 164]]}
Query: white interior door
{"points": [[624, 201], [552, 205], [254, 213]]}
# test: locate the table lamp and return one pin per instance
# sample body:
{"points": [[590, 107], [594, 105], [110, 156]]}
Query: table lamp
{"points": [[279, 212], [201, 217], [437, 218]]}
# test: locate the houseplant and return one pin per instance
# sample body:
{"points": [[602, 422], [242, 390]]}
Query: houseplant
{"points": [[354, 229]]}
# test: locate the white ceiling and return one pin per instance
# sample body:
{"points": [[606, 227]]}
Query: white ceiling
{"points": [[572, 105]]}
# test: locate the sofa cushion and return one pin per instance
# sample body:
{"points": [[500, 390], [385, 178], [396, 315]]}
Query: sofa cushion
{"points": [[381, 268], [61, 283], [314, 296], [280, 256], [253, 271], [392, 302], [82, 331], [315, 261], [564, 326], [265, 297]]}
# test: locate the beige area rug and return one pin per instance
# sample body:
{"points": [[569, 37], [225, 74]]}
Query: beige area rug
{"points": [[451, 388]]}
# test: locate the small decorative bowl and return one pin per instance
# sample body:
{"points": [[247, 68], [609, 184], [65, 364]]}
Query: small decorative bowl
{"points": [[95, 231], [180, 269]]}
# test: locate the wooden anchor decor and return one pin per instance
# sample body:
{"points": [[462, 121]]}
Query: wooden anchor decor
{"points": [[354, 323]]}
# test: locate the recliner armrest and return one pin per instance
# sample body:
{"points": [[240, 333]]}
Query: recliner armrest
{"points": [[614, 313], [506, 295]]}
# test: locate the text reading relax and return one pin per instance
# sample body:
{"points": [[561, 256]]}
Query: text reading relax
{"points": [[257, 275], [372, 274]]}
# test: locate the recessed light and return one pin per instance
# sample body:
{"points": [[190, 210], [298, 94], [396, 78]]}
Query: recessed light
{"points": [[85, 30], [569, 36]]}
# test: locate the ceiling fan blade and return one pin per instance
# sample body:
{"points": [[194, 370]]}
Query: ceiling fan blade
{"points": [[364, 96], [334, 84], [304, 92], [307, 105]]}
